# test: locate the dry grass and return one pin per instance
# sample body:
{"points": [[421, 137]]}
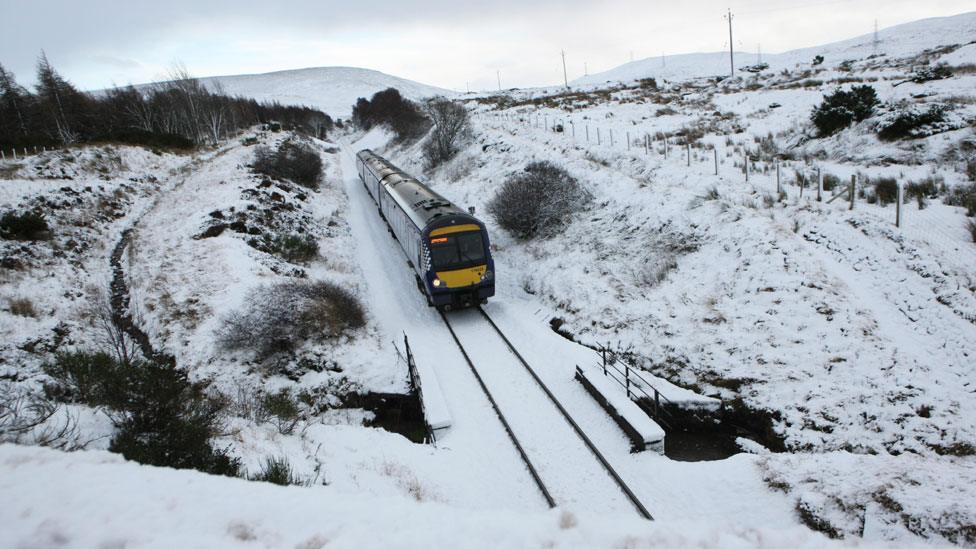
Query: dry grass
{"points": [[22, 306]]}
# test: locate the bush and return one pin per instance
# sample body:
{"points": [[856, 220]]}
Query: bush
{"points": [[162, 418], [971, 225], [22, 306], [913, 124], [921, 190], [281, 317], [278, 471], [451, 127], [818, 60], [926, 74], [292, 247], [842, 108], [971, 170], [965, 196], [292, 160], [26, 226], [886, 190], [283, 408], [537, 201], [169, 422], [830, 181]]}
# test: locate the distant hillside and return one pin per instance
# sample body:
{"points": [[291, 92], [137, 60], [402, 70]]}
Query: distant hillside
{"points": [[907, 39], [332, 89]]}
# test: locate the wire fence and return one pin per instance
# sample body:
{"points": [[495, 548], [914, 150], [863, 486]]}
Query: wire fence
{"points": [[808, 178]]}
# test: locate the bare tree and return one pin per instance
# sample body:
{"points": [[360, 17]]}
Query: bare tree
{"points": [[27, 418], [113, 334], [451, 127]]}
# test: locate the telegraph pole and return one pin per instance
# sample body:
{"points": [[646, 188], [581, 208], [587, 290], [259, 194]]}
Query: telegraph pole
{"points": [[874, 43], [498, 75], [586, 72], [565, 78], [731, 57]]}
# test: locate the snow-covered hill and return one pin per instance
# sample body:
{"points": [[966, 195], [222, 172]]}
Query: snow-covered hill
{"points": [[334, 90], [901, 40]]}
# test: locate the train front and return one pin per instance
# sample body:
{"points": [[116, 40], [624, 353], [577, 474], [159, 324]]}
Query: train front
{"points": [[459, 269]]}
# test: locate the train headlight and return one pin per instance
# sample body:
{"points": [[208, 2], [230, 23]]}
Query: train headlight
{"points": [[436, 282], [487, 276]]}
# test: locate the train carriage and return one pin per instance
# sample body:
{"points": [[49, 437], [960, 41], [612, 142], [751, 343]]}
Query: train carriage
{"points": [[447, 247]]}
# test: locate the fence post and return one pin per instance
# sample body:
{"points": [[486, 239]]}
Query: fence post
{"points": [[547, 122], [603, 352], [746, 166], [715, 150], [573, 125], [587, 133], [598, 137], [628, 141], [819, 185], [779, 186], [901, 196], [3, 155], [611, 137], [850, 192], [627, 377], [14, 150], [688, 149]]}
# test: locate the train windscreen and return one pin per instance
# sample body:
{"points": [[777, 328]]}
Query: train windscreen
{"points": [[457, 250]]}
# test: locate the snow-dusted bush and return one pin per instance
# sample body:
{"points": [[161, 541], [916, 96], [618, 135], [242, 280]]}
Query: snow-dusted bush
{"points": [[537, 201], [292, 247], [451, 127], [283, 407], [96, 379], [885, 190], [281, 317], [842, 108], [964, 196], [927, 74], [292, 160], [915, 122], [24, 226], [167, 421]]}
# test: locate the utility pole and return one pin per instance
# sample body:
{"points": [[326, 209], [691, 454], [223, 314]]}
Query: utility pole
{"points": [[874, 43], [565, 78], [731, 57], [585, 71], [759, 53], [498, 75]]}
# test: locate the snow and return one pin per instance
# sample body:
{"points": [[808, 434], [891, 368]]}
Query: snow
{"points": [[95, 499], [333, 90], [901, 40], [650, 432]]}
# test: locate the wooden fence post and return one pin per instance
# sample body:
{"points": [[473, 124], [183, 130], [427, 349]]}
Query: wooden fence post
{"points": [[688, 149], [598, 137], [850, 192], [779, 185], [627, 377], [611, 137], [901, 197], [819, 185], [3, 155], [587, 133], [715, 150], [746, 166]]}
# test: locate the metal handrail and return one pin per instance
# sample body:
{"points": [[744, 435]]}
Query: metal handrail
{"points": [[415, 383], [633, 382]]}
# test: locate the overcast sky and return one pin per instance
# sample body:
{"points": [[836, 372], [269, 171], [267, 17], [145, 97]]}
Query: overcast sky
{"points": [[452, 44]]}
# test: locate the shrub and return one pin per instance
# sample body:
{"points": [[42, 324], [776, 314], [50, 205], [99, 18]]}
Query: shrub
{"points": [[971, 225], [971, 170], [96, 379], [278, 471], [25, 226], [537, 201], [647, 83], [965, 196], [280, 317], [292, 160], [818, 60], [22, 306], [926, 74], [921, 190], [283, 408], [162, 418], [830, 181], [913, 124], [168, 422], [842, 108], [886, 190], [292, 247], [451, 127]]}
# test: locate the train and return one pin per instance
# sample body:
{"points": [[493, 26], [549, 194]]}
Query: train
{"points": [[447, 247]]}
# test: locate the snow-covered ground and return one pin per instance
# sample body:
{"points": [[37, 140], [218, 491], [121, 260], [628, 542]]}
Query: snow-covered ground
{"points": [[850, 339]]}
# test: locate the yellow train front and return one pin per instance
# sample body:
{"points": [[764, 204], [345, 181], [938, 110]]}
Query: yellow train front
{"points": [[447, 247]]}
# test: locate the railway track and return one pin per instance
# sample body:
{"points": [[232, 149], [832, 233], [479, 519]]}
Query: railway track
{"points": [[498, 369]]}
